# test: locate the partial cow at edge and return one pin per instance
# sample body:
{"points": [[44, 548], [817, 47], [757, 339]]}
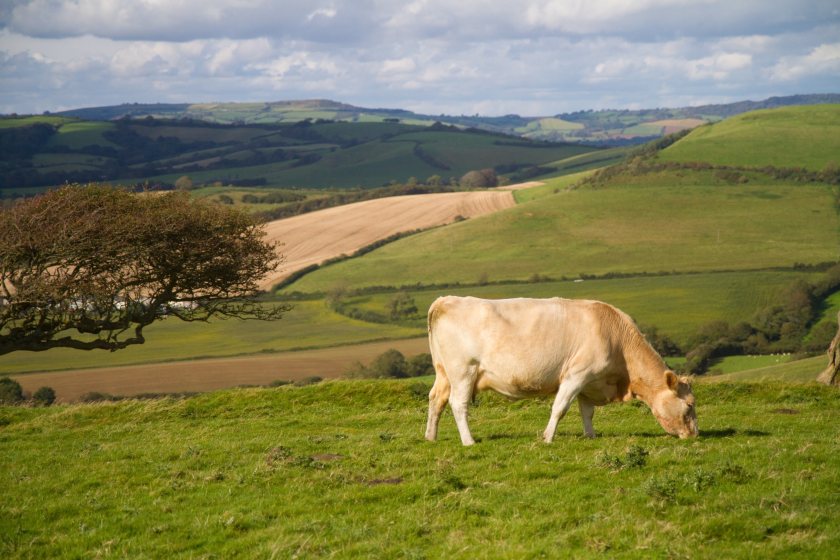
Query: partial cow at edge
{"points": [[581, 349]]}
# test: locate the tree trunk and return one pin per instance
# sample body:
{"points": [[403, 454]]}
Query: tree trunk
{"points": [[831, 374]]}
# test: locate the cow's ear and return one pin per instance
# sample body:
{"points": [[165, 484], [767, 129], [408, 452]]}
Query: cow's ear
{"points": [[671, 379]]}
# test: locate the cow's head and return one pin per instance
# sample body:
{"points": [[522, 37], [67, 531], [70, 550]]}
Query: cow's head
{"points": [[673, 407]]}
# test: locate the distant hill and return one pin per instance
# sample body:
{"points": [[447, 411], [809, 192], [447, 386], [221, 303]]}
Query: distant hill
{"points": [[605, 127], [49, 150]]}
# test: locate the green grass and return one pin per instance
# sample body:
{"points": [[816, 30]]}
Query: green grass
{"points": [[620, 229], [340, 470], [551, 187], [548, 124], [309, 325], [13, 122], [806, 137], [799, 371], [732, 364], [77, 135], [677, 305]]}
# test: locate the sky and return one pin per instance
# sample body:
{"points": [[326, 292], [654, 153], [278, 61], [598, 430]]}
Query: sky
{"points": [[488, 57]]}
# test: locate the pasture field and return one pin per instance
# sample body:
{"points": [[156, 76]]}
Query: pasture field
{"points": [[798, 371], [309, 325], [77, 135], [677, 305], [806, 137], [584, 162], [615, 230], [340, 470], [14, 122]]}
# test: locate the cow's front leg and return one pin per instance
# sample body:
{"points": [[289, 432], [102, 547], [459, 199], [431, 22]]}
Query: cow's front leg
{"points": [[587, 411], [566, 393]]}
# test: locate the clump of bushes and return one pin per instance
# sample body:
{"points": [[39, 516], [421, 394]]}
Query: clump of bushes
{"points": [[781, 326], [392, 364], [11, 393], [44, 396]]}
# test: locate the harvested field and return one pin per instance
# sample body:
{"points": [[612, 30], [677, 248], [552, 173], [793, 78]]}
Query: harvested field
{"points": [[670, 126], [315, 237], [209, 375]]}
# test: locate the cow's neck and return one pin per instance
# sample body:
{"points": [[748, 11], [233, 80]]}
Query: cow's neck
{"points": [[645, 369]]}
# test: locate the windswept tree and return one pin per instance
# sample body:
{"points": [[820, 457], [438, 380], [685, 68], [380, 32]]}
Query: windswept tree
{"points": [[89, 267]]}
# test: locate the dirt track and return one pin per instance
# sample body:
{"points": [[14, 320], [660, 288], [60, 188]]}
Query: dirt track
{"points": [[315, 237], [209, 375]]}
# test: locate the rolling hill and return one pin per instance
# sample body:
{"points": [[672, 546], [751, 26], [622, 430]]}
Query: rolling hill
{"points": [[641, 221], [806, 137], [676, 244], [604, 127], [42, 151]]}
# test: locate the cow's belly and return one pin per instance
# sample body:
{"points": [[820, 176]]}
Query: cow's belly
{"points": [[519, 385], [607, 388]]}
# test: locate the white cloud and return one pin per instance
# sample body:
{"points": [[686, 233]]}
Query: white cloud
{"points": [[543, 56], [398, 66], [824, 59]]}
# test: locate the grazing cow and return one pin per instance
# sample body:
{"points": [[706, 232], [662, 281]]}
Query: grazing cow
{"points": [[528, 347]]}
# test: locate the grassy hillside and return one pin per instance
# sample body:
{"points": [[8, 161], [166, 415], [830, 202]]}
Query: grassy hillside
{"points": [[340, 470], [640, 218], [626, 228], [806, 137], [309, 325], [677, 305]]}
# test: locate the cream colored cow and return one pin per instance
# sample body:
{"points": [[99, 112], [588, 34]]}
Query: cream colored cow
{"points": [[570, 348]]}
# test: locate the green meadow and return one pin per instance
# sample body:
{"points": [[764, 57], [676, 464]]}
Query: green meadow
{"points": [[310, 324], [77, 135], [677, 305], [806, 137], [340, 470]]}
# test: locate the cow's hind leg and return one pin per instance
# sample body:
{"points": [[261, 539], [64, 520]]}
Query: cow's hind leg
{"points": [[460, 395], [438, 397], [587, 410], [568, 390]]}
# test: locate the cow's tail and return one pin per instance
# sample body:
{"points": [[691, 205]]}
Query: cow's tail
{"points": [[436, 311]]}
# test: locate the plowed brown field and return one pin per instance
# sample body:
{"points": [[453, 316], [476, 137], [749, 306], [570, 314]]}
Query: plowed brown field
{"points": [[315, 237], [209, 375]]}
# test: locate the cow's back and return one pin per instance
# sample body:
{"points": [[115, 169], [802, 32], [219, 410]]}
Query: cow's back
{"points": [[521, 346]]}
